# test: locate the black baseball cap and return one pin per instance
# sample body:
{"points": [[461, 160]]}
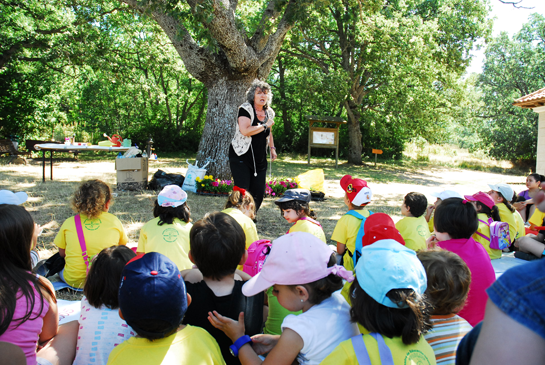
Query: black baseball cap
{"points": [[295, 194]]}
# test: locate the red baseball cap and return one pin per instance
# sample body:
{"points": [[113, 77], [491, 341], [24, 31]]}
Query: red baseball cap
{"points": [[380, 226], [356, 190]]}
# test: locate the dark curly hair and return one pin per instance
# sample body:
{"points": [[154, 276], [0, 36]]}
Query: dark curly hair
{"points": [[91, 197]]}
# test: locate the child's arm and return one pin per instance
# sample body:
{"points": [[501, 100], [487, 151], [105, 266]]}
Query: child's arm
{"points": [[51, 318], [62, 253], [244, 276], [283, 353], [192, 275], [341, 248], [429, 211]]}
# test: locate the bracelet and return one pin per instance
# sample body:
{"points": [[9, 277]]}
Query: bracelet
{"points": [[273, 148]]}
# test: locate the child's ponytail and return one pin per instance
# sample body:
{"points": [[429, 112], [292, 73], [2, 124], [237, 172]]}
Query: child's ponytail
{"points": [[508, 202], [242, 200], [493, 213]]}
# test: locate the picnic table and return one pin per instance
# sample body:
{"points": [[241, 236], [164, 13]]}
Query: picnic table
{"points": [[51, 147]]}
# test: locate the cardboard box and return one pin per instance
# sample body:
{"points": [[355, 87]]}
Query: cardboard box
{"points": [[132, 173]]}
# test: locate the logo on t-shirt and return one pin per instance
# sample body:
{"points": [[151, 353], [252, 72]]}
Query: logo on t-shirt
{"points": [[92, 224], [422, 231], [416, 357], [170, 235]]}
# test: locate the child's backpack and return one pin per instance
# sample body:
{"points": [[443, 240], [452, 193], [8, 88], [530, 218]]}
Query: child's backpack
{"points": [[499, 234], [257, 254], [357, 254]]}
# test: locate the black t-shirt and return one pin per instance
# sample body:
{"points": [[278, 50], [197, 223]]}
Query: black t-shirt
{"points": [[259, 145], [204, 300]]}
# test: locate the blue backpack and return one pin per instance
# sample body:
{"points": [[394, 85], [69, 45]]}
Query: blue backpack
{"points": [[357, 253]]}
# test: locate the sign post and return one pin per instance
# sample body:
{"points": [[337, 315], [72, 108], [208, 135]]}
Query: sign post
{"points": [[321, 137], [376, 152]]}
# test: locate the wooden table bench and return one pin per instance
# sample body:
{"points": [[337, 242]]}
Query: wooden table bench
{"points": [[6, 146]]}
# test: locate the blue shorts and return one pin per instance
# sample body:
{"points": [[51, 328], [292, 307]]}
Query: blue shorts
{"points": [[520, 293]]}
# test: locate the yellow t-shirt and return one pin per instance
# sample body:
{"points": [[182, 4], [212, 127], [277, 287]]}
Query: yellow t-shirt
{"points": [[521, 229], [191, 345], [101, 232], [419, 353], [430, 224], [414, 231], [508, 217], [303, 225], [484, 229], [536, 220], [171, 240], [346, 232], [247, 224]]}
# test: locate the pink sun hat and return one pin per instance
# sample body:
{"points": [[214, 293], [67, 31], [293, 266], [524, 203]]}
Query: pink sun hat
{"points": [[171, 196], [481, 197], [295, 259]]}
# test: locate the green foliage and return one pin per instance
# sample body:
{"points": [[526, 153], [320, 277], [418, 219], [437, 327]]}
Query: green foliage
{"points": [[513, 68]]}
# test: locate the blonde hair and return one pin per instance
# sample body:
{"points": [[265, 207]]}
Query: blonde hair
{"points": [[91, 197], [239, 201]]}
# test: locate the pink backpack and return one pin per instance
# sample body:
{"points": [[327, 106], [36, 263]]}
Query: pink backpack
{"points": [[499, 234], [257, 254]]}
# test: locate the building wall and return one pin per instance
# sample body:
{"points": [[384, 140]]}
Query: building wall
{"points": [[540, 163]]}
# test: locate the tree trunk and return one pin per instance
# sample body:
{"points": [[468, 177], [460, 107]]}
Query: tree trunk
{"points": [[354, 134], [224, 97], [284, 104]]}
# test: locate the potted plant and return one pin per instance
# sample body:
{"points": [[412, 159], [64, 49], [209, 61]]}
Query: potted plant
{"points": [[277, 187]]}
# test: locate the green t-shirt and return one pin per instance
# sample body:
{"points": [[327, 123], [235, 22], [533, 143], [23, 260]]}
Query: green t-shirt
{"points": [[276, 316]]}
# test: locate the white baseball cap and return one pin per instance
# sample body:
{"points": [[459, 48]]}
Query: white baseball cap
{"points": [[445, 194], [9, 197]]}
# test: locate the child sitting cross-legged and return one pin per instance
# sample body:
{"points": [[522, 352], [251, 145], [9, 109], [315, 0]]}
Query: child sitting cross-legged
{"points": [[304, 275], [414, 227], [349, 230], [455, 223], [294, 207], [448, 286], [388, 301], [168, 232], [153, 301], [99, 308], [217, 247]]}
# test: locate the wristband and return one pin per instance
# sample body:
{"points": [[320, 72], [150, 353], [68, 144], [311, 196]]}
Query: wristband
{"points": [[273, 148], [235, 347]]}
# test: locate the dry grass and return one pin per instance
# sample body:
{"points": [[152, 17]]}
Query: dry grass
{"points": [[49, 201]]}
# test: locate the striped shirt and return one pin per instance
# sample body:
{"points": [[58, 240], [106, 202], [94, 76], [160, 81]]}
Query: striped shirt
{"points": [[446, 334]]}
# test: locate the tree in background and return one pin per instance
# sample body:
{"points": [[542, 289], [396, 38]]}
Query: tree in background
{"points": [[513, 68]]}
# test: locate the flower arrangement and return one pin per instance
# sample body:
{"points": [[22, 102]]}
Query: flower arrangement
{"points": [[277, 187], [213, 186]]}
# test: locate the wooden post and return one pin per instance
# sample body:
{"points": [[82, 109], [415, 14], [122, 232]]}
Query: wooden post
{"points": [[376, 152]]}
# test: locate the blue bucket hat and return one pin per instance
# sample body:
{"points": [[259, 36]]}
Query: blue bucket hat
{"points": [[387, 265]]}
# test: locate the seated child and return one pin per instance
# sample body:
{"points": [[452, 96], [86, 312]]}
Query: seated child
{"points": [[100, 229], [303, 272], [524, 202], [442, 195], [294, 207], [217, 247], [153, 301], [357, 196], [99, 308], [502, 194], [455, 223], [168, 233], [448, 286], [414, 227], [388, 301], [533, 246], [240, 205], [487, 212]]}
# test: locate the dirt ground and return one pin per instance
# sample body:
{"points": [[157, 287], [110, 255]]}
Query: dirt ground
{"points": [[49, 201]]}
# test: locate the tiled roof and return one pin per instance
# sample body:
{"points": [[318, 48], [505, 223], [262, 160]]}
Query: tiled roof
{"points": [[533, 100]]}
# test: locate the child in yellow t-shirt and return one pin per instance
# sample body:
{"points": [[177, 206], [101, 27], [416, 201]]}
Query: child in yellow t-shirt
{"points": [[294, 207], [168, 232], [414, 227], [388, 300], [91, 201], [241, 206], [503, 194], [357, 196], [487, 212]]}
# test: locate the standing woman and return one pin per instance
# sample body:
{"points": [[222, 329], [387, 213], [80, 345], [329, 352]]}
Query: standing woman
{"points": [[248, 150]]}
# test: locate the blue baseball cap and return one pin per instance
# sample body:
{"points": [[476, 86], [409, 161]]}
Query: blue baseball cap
{"points": [[152, 288], [387, 265]]}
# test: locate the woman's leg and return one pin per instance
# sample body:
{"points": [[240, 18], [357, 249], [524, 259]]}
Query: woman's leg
{"points": [[61, 349], [257, 188], [241, 173]]}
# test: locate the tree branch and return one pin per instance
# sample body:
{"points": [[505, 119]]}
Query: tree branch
{"points": [[515, 4]]}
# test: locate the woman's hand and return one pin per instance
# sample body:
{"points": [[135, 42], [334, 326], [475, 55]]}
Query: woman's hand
{"points": [[273, 154], [233, 329], [263, 344]]}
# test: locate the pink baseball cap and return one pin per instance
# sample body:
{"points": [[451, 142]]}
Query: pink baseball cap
{"points": [[481, 197], [295, 259], [171, 196]]}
